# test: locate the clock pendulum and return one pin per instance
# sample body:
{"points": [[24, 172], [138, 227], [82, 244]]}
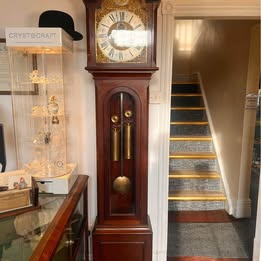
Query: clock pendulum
{"points": [[122, 183], [121, 57]]}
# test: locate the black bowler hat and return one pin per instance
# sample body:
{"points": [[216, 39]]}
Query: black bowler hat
{"points": [[52, 18]]}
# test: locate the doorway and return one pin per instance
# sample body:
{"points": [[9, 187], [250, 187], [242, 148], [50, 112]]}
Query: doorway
{"points": [[223, 74]]}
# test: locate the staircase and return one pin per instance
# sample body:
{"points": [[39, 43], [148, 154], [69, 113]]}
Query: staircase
{"points": [[194, 180]]}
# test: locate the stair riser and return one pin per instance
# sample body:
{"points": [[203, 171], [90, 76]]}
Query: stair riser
{"points": [[185, 88], [191, 146], [195, 205], [189, 130], [193, 101], [199, 184], [193, 164], [189, 115]]}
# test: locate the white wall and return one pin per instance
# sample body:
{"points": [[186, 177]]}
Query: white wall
{"points": [[80, 98], [80, 107], [221, 56]]}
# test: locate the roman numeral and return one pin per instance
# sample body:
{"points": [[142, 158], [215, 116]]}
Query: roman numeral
{"points": [[112, 18], [102, 35], [122, 16], [130, 19], [105, 25], [120, 56], [130, 53], [104, 45], [111, 52], [137, 26]]}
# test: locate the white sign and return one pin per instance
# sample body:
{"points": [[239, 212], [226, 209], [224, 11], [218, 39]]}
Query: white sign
{"points": [[251, 101], [34, 36]]}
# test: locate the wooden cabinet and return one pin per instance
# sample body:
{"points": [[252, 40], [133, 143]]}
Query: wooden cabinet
{"points": [[58, 230]]}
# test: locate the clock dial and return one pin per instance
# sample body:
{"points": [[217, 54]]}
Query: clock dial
{"points": [[121, 36], [121, 2]]}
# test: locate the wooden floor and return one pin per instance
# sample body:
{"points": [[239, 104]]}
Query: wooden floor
{"points": [[215, 216]]}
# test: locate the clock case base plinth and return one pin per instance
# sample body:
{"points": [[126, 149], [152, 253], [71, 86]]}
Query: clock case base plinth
{"points": [[120, 243]]}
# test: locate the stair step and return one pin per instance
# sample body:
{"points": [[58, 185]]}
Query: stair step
{"points": [[187, 195], [187, 100], [193, 174], [198, 184], [187, 155], [192, 146], [188, 108], [186, 95], [190, 138], [193, 164], [185, 82], [188, 115], [189, 130], [185, 87], [189, 123]]}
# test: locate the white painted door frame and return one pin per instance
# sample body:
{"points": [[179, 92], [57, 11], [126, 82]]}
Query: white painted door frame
{"points": [[160, 93]]}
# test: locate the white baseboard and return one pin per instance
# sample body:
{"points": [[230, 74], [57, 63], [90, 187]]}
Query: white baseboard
{"points": [[159, 255], [241, 208], [256, 252]]}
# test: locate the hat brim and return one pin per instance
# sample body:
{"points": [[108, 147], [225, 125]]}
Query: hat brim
{"points": [[76, 36]]}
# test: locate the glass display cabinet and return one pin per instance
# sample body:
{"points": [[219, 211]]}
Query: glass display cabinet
{"points": [[39, 64], [58, 230]]}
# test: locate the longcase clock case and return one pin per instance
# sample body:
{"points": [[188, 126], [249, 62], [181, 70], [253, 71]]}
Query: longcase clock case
{"points": [[122, 76]]}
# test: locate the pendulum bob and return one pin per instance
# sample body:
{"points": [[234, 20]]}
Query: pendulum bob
{"points": [[122, 185]]}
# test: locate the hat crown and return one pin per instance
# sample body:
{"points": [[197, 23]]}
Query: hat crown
{"points": [[53, 18]]}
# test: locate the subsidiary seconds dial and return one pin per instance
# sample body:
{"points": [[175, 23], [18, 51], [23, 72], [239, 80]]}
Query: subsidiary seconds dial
{"points": [[121, 36]]}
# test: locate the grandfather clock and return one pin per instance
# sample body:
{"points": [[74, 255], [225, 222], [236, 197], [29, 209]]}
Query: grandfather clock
{"points": [[121, 58]]}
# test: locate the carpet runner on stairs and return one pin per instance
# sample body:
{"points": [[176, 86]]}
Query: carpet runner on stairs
{"points": [[194, 180]]}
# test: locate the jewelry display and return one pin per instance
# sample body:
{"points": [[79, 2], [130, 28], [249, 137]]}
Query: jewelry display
{"points": [[53, 109], [39, 116]]}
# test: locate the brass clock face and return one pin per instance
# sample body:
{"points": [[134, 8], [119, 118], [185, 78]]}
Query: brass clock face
{"points": [[121, 37]]}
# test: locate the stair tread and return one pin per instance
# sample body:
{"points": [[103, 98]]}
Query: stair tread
{"points": [[194, 174], [185, 82], [197, 195], [188, 108], [190, 138], [186, 94], [192, 155], [189, 123]]}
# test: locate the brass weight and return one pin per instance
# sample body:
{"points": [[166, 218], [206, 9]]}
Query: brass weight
{"points": [[115, 144], [115, 139], [128, 136]]}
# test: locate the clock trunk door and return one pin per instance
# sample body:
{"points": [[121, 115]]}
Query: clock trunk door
{"points": [[122, 163]]}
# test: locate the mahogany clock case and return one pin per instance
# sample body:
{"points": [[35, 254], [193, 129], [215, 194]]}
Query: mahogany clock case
{"points": [[129, 207], [122, 75], [144, 10]]}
